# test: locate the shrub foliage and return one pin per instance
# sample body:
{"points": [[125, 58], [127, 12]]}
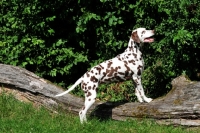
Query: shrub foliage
{"points": [[59, 40]]}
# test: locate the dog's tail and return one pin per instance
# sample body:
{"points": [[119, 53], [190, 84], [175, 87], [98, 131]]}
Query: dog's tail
{"points": [[70, 89]]}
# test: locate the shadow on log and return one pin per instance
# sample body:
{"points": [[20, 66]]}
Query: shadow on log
{"points": [[181, 106]]}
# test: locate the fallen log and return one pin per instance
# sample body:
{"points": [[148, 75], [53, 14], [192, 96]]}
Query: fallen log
{"points": [[36, 90], [181, 106]]}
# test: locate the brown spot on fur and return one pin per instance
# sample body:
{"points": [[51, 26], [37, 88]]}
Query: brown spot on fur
{"points": [[139, 67], [110, 74], [136, 49], [119, 78], [139, 72], [126, 73], [87, 73], [128, 77], [98, 69], [89, 88], [101, 66], [118, 57], [115, 74], [130, 48], [89, 94], [109, 64], [125, 62], [135, 37], [132, 43], [121, 73], [131, 61], [94, 87], [134, 55], [104, 74], [93, 79], [107, 70], [83, 85], [136, 82], [107, 80], [127, 68], [132, 72]]}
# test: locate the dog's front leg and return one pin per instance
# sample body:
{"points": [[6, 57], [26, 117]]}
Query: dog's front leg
{"points": [[139, 91]]}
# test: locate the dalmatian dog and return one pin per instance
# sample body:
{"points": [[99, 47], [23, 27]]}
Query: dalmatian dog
{"points": [[125, 66]]}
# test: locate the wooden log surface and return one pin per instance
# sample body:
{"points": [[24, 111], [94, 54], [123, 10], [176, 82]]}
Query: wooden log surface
{"points": [[181, 106]]}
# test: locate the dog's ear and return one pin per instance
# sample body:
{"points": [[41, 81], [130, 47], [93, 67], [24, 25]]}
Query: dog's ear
{"points": [[135, 37]]}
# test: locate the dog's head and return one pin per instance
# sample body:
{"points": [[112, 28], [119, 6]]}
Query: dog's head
{"points": [[141, 35]]}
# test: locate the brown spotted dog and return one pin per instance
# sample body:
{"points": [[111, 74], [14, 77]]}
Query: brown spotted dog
{"points": [[128, 65]]}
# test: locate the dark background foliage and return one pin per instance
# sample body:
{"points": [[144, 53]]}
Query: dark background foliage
{"points": [[59, 40]]}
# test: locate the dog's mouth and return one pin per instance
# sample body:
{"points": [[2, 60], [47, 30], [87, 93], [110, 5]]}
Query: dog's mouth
{"points": [[149, 39]]}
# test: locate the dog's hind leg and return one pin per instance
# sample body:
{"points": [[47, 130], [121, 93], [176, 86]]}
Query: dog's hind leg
{"points": [[90, 97]]}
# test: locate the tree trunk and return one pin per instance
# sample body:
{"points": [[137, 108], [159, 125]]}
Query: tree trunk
{"points": [[180, 106]]}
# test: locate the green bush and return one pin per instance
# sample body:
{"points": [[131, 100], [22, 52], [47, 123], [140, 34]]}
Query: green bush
{"points": [[59, 40]]}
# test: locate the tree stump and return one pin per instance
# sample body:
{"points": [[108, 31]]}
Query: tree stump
{"points": [[181, 106]]}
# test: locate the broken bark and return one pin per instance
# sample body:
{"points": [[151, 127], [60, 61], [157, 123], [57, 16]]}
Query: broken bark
{"points": [[180, 106]]}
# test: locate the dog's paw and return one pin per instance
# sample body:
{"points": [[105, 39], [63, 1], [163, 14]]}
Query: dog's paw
{"points": [[140, 100], [148, 100]]}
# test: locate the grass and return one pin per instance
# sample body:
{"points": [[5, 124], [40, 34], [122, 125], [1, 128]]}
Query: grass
{"points": [[19, 117]]}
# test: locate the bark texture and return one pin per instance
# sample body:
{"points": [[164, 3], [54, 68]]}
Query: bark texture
{"points": [[181, 106]]}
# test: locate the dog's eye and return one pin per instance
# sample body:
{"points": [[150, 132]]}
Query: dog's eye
{"points": [[143, 31]]}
